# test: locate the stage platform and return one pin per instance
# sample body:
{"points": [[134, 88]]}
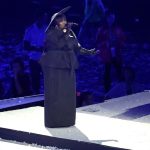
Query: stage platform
{"points": [[21, 102], [117, 123]]}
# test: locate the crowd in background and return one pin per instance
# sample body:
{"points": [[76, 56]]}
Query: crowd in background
{"points": [[116, 70]]}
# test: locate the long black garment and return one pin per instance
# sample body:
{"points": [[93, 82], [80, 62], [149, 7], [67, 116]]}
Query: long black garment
{"points": [[59, 63]]}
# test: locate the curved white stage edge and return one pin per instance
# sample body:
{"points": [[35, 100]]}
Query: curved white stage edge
{"points": [[121, 123]]}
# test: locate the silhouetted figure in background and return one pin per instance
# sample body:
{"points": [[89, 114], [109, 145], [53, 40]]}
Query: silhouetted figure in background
{"points": [[20, 85], [1, 90], [33, 43], [126, 87], [85, 98], [93, 15], [129, 77], [110, 41]]}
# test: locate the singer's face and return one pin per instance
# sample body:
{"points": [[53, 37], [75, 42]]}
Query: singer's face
{"points": [[63, 23]]}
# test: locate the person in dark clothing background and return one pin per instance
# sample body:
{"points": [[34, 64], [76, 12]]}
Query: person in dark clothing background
{"points": [[1, 90], [33, 44], [110, 41], [20, 85], [93, 16], [59, 63]]}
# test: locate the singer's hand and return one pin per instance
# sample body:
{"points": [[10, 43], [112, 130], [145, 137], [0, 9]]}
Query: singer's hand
{"points": [[94, 51], [97, 51]]}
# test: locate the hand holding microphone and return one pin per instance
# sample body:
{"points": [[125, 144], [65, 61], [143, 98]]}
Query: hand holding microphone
{"points": [[69, 25]]}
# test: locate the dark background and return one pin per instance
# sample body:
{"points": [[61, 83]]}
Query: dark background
{"points": [[15, 14], [132, 15]]}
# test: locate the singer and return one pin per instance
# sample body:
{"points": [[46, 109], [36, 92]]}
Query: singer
{"points": [[59, 63]]}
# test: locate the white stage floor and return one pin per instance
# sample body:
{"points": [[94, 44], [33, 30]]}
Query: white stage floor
{"points": [[93, 123]]}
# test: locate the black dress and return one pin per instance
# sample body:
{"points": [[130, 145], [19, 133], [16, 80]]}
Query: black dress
{"points": [[59, 63]]}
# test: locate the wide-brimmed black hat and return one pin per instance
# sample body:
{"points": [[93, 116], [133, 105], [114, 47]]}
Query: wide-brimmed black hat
{"points": [[56, 14]]}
